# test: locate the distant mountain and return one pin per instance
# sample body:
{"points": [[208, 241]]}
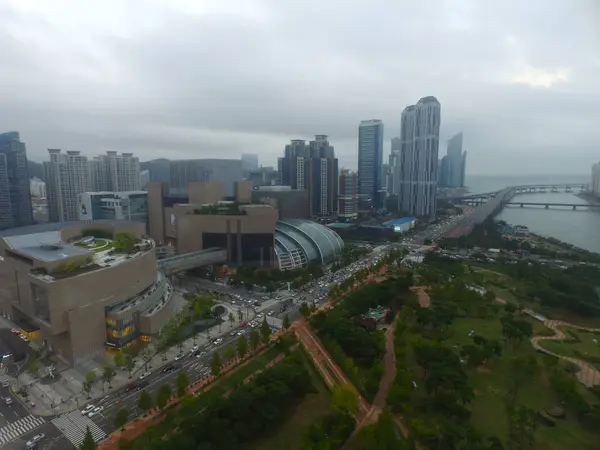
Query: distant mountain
{"points": [[36, 169]]}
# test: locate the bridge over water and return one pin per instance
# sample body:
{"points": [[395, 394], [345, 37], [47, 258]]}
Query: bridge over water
{"points": [[490, 204], [547, 205]]}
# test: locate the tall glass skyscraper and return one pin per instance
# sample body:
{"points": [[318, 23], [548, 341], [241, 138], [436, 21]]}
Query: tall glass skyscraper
{"points": [[419, 136], [370, 164], [15, 196]]}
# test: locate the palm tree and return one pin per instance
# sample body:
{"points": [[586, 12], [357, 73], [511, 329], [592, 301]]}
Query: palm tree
{"points": [[231, 319], [240, 315], [108, 373], [147, 356]]}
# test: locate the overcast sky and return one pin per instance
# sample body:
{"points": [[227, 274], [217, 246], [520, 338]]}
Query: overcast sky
{"points": [[203, 78]]}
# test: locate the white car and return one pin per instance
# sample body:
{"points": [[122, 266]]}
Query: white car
{"points": [[194, 348], [217, 341], [144, 375], [179, 356], [97, 410], [87, 409], [34, 440]]}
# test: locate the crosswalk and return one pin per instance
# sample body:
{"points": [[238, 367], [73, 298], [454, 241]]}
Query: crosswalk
{"points": [[74, 425], [15, 429]]}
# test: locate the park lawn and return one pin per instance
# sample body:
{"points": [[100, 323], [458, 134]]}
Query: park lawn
{"points": [[586, 348], [491, 384], [312, 408]]}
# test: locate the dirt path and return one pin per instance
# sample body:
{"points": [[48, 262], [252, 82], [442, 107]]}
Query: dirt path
{"points": [[424, 300], [588, 375]]}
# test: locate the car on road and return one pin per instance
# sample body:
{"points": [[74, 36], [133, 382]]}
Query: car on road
{"points": [[129, 388], [194, 348], [169, 368], [6, 383], [233, 333], [243, 324], [144, 375], [96, 411], [217, 341], [87, 409], [8, 400], [179, 356], [34, 440]]}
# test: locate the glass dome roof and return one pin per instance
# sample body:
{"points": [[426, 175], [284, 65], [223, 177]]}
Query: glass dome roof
{"points": [[319, 243]]}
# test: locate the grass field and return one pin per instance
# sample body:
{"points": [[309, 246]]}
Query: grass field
{"points": [[584, 349], [491, 384], [314, 406]]}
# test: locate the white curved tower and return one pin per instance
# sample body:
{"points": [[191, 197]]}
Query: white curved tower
{"points": [[419, 135]]}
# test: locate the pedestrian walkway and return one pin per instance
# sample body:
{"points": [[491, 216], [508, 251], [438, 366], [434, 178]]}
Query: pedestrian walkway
{"points": [[74, 426], [15, 429]]}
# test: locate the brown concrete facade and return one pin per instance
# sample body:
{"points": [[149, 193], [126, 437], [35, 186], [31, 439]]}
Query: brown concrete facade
{"points": [[71, 309]]}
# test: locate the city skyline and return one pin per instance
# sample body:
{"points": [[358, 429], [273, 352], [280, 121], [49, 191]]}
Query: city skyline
{"points": [[110, 83]]}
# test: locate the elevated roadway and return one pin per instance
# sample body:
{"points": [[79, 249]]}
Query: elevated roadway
{"points": [[187, 261]]}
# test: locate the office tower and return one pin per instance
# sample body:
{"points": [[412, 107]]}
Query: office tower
{"points": [[249, 163], [454, 175], [115, 173], [595, 184], [131, 205], [348, 195], [312, 167], [263, 176], [67, 176], [370, 160], [419, 135], [224, 171], [15, 198]]}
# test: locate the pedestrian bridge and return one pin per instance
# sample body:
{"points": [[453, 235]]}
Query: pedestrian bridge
{"points": [[187, 261]]}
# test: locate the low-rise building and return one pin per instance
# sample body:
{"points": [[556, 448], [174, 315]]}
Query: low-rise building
{"points": [[88, 286], [131, 205]]}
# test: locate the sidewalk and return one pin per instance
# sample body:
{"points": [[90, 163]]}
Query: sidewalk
{"points": [[66, 393]]}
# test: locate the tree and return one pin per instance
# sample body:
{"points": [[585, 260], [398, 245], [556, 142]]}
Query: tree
{"points": [[242, 346], [129, 364], [121, 418], [304, 309], [182, 383], [286, 322], [521, 429], [32, 366], [523, 369], [88, 441], [145, 402], [162, 396], [345, 399], [215, 364], [229, 353], [254, 339], [146, 356], [231, 319], [265, 331], [119, 360], [108, 374], [240, 314], [90, 379]]}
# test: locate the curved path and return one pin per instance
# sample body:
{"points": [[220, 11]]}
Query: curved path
{"points": [[588, 375]]}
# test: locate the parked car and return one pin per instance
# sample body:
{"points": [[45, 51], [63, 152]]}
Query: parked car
{"points": [[144, 375], [95, 411], [129, 388]]}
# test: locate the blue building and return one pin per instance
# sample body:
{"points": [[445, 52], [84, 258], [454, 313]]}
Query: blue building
{"points": [[370, 164]]}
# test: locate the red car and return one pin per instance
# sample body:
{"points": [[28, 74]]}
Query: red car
{"points": [[243, 324], [131, 387]]}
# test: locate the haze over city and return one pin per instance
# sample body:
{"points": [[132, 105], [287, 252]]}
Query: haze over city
{"points": [[206, 79]]}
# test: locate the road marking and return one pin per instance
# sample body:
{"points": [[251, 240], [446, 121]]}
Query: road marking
{"points": [[15, 429], [74, 426]]}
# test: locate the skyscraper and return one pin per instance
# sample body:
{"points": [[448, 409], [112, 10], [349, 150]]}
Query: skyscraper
{"points": [[419, 135], [455, 175], [249, 163], [595, 184], [15, 197], [393, 175], [348, 195], [370, 161], [67, 177], [312, 167]]}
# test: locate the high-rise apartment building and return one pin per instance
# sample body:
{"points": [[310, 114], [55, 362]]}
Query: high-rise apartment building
{"points": [[115, 173], [37, 188], [67, 176], [249, 163], [312, 167], [370, 161], [419, 135], [595, 184], [144, 178], [454, 175], [224, 171], [15, 198], [393, 174], [348, 195]]}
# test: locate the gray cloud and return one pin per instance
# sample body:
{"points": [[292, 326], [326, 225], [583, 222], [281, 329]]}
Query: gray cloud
{"points": [[204, 79]]}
